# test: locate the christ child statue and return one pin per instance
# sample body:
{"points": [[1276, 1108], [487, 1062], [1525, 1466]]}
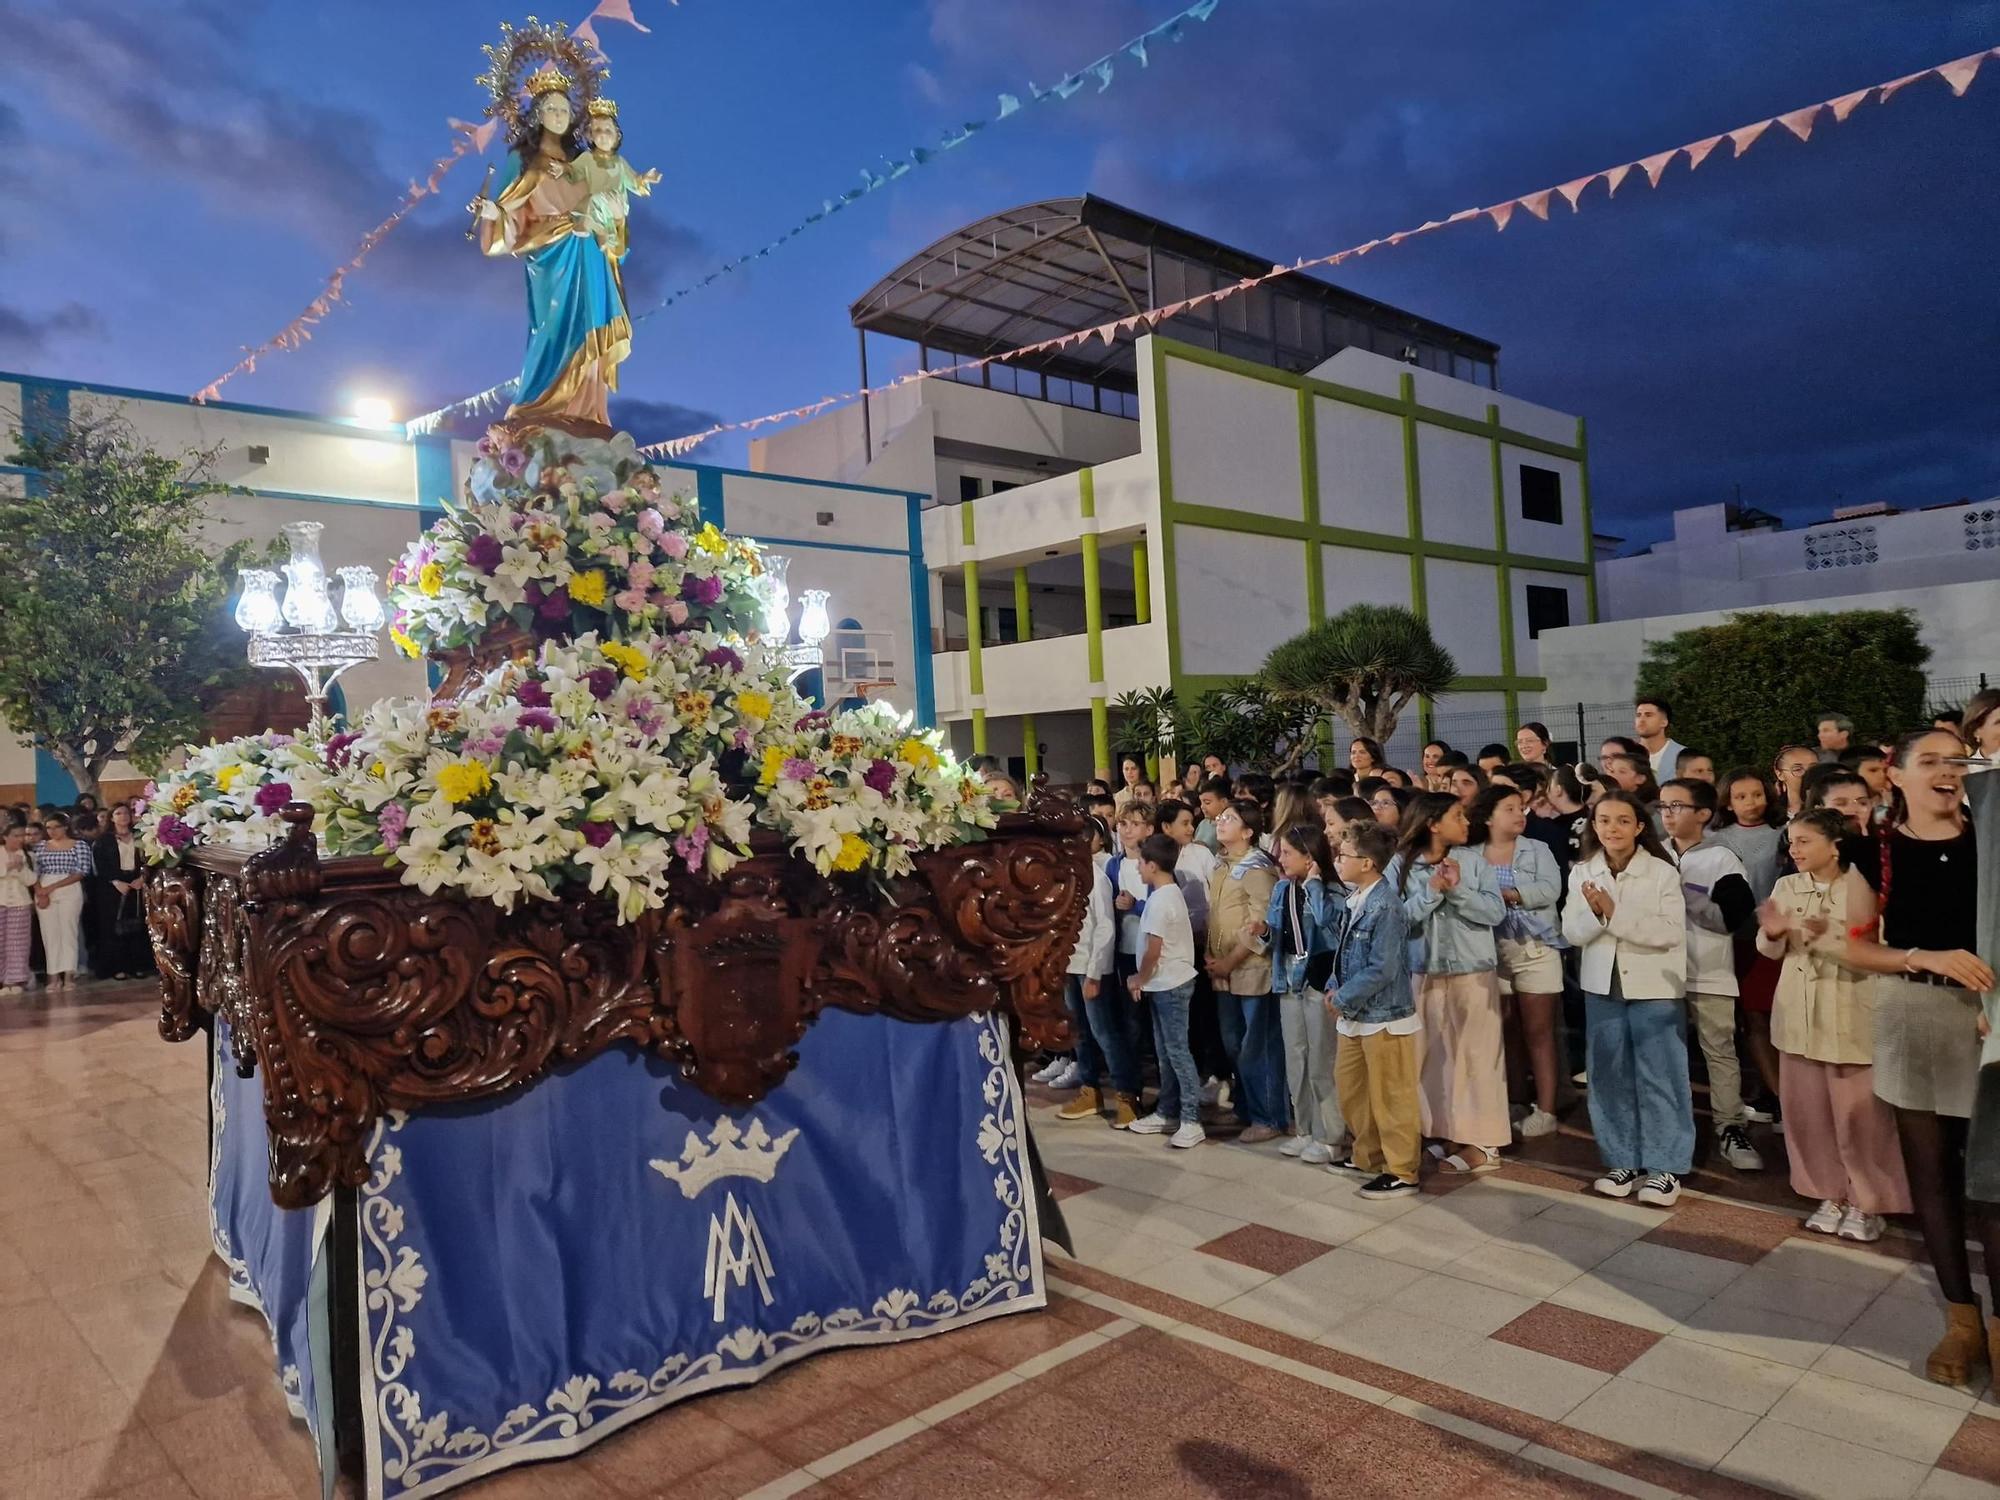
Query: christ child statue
{"points": [[607, 178]]}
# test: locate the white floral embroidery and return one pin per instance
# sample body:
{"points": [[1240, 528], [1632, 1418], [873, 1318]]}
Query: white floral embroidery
{"points": [[421, 1453]]}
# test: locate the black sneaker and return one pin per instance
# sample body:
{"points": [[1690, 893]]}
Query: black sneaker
{"points": [[1733, 1144], [1617, 1183], [1661, 1190], [1388, 1185], [1347, 1167]]}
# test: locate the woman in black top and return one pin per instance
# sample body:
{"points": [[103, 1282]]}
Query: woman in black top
{"points": [[1927, 1008], [120, 948]]}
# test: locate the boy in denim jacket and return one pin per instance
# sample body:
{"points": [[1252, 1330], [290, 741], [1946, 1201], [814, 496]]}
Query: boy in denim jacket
{"points": [[1375, 1071]]}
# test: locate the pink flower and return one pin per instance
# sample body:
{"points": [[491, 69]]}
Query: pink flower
{"points": [[690, 846], [651, 522], [618, 556], [514, 460], [632, 601], [536, 718], [174, 833], [598, 524], [674, 545], [677, 612], [641, 574], [272, 795], [798, 768], [616, 501], [390, 822]]}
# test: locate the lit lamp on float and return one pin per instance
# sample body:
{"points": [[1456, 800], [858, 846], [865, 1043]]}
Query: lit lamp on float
{"points": [[814, 624], [302, 632]]}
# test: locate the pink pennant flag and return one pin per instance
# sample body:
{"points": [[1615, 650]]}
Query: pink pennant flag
{"points": [[1846, 104], [1364, 249], [1573, 189], [1800, 121], [1462, 214], [1538, 203], [1655, 165], [1744, 137], [1615, 178], [1127, 325], [478, 136], [1960, 74], [1698, 152], [1895, 86], [1397, 238], [1501, 213], [586, 33], [1106, 331], [619, 10]]}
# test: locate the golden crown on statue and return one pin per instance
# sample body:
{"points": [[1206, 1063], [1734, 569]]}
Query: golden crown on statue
{"points": [[551, 79], [603, 109], [535, 60]]}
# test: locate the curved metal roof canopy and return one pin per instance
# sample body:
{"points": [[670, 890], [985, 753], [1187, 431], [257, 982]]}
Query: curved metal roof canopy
{"points": [[1049, 268]]}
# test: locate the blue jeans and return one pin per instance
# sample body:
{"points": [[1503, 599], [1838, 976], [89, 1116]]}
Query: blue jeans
{"points": [[1255, 1040], [1180, 1084], [1105, 1036], [1641, 1102]]}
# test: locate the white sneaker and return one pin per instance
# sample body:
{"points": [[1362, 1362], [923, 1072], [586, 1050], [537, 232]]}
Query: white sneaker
{"points": [[1825, 1219], [1316, 1154], [1068, 1077], [1581, 1079], [1049, 1070], [1661, 1190], [1855, 1225], [1190, 1134], [9, 991], [1733, 1143], [1211, 1092], [1538, 1122], [1153, 1124], [1295, 1145]]}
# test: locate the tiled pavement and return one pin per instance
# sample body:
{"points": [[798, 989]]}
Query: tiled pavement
{"points": [[1238, 1324]]}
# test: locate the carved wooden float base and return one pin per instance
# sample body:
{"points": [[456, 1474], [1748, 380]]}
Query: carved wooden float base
{"points": [[357, 995]]}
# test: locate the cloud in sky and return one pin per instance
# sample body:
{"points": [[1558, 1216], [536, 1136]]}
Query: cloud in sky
{"points": [[24, 334]]}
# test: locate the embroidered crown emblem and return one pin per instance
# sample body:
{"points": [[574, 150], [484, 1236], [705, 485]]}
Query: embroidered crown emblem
{"points": [[729, 1151]]}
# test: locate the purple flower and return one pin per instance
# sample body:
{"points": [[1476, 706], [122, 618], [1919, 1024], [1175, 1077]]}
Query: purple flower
{"points": [[798, 768], [603, 682], [174, 833], [340, 749], [818, 718], [555, 605], [880, 775], [597, 835], [484, 552], [691, 846], [484, 447], [490, 743], [513, 460], [722, 656], [390, 821], [272, 795], [536, 718], [744, 738], [533, 694], [698, 590]]}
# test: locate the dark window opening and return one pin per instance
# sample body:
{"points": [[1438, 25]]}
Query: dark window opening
{"points": [[1548, 609], [1541, 495], [968, 487]]}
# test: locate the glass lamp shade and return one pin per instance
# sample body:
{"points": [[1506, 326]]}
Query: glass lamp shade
{"points": [[777, 597], [307, 606], [814, 624], [360, 605], [257, 608]]}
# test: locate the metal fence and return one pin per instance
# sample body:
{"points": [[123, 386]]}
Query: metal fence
{"points": [[1577, 729]]}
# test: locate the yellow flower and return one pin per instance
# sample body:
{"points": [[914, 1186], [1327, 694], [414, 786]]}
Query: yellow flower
{"points": [[430, 579], [225, 778], [819, 794], [774, 763], [378, 769], [753, 705], [853, 853], [462, 780], [184, 796], [711, 540], [630, 658], [915, 752], [587, 588], [693, 707], [403, 643]]}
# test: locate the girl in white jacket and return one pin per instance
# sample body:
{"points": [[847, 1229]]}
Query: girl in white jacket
{"points": [[1627, 918]]}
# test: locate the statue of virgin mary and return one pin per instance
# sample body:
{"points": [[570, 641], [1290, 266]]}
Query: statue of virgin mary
{"points": [[578, 330]]}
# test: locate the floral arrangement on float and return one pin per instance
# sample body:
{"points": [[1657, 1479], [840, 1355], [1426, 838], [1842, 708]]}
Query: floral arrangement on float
{"points": [[640, 724]]}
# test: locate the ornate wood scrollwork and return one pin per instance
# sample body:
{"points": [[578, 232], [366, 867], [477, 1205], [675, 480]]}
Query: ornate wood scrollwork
{"points": [[356, 994]]}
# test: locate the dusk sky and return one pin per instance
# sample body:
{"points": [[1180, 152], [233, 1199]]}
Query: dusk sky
{"points": [[1817, 322]]}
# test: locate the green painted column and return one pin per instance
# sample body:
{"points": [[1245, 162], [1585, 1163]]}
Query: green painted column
{"points": [[1142, 584], [975, 666], [1031, 754], [1093, 625]]}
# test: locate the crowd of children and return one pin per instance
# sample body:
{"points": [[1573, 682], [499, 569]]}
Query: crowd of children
{"points": [[1376, 966]]}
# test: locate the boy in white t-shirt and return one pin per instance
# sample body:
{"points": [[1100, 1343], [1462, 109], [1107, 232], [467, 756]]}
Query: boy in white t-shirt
{"points": [[1166, 977]]}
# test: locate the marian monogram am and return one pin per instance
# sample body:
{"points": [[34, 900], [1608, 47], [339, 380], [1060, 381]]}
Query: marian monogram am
{"points": [[736, 1249]]}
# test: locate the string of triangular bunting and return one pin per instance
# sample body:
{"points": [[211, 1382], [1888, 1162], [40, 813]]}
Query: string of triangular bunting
{"points": [[1958, 74], [874, 179]]}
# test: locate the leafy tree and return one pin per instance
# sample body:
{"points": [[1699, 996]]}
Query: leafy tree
{"points": [[1364, 664], [114, 632], [1762, 680], [1150, 723]]}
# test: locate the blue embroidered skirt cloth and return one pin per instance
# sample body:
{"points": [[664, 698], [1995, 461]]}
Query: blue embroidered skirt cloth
{"points": [[536, 1272]]}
